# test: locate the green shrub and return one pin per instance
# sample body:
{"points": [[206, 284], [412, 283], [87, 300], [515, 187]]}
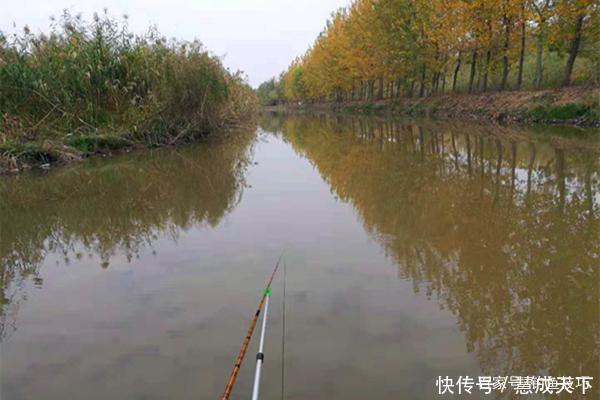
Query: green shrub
{"points": [[94, 78], [97, 143], [28, 152], [563, 112]]}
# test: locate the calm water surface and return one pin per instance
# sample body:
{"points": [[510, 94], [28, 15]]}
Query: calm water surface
{"points": [[413, 249]]}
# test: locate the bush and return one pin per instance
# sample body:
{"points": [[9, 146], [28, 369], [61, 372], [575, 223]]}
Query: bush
{"points": [[27, 152], [96, 143], [562, 112], [98, 78]]}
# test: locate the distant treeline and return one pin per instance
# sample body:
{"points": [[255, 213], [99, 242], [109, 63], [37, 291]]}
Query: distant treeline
{"points": [[85, 86], [376, 49]]}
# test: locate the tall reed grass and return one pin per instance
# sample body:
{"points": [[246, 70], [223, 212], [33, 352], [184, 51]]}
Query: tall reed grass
{"points": [[86, 85]]}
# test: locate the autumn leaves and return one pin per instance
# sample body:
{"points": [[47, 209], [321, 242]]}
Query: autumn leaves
{"points": [[378, 49]]}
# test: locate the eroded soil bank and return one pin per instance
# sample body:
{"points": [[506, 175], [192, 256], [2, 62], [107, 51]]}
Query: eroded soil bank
{"points": [[577, 106]]}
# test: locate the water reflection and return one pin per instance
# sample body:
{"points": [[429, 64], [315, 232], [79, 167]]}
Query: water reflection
{"points": [[496, 225], [101, 209], [500, 228]]}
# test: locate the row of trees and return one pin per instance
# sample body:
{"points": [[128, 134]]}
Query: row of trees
{"points": [[376, 49]]}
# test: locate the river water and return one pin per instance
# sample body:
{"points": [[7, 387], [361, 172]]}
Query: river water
{"points": [[413, 249]]}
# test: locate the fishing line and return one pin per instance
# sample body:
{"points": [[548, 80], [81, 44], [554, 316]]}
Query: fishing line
{"points": [[283, 334]]}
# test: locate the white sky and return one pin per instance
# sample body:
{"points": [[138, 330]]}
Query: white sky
{"points": [[260, 37]]}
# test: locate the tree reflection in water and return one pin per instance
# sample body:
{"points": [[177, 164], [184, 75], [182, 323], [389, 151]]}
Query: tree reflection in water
{"points": [[498, 226], [104, 208]]}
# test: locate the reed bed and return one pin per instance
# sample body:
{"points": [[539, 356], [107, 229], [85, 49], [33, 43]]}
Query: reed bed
{"points": [[89, 86]]}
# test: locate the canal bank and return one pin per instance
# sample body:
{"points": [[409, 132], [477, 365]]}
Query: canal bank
{"points": [[575, 106]]}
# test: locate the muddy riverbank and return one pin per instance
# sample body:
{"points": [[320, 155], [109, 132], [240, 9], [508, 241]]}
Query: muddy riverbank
{"points": [[575, 106]]}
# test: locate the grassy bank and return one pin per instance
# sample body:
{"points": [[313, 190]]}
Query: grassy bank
{"points": [[568, 106], [90, 87]]}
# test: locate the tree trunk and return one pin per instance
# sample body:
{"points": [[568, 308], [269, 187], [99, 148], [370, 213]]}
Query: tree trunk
{"points": [[484, 83], [380, 92], [574, 48], [422, 88], [472, 74], [487, 57], [522, 52], [435, 78], [538, 65], [455, 77], [505, 55], [444, 82]]}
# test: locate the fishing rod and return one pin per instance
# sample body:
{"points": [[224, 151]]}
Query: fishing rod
{"points": [[246, 342], [260, 356]]}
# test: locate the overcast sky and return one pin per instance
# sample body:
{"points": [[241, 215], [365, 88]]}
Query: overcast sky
{"points": [[260, 37]]}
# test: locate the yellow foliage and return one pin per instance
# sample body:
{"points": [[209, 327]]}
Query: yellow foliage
{"points": [[414, 42]]}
